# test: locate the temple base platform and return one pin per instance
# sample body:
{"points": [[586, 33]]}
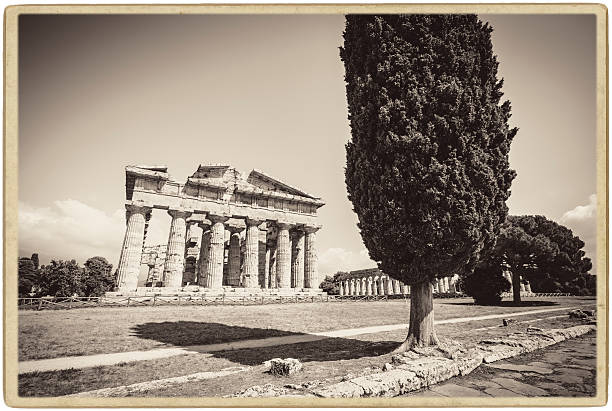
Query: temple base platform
{"points": [[197, 291]]}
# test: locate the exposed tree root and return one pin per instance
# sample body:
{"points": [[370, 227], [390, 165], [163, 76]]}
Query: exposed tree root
{"points": [[413, 342]]}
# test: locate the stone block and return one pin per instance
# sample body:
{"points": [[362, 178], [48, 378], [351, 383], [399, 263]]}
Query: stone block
{"points": [[287, 366]]}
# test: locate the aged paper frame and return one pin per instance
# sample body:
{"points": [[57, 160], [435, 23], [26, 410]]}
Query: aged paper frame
{"points": [[11, 16]]}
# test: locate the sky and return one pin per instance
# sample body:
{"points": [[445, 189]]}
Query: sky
{"points": [[97, 93]]}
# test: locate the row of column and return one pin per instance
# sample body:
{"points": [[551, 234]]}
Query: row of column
{"points": [[383, 285], [373, 286], [525, 286], [287, 264]]}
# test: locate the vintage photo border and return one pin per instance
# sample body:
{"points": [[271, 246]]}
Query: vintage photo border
{"points": [[11, 16]]}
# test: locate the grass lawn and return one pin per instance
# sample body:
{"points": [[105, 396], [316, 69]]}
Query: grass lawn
{"points": [[50, 334], [326, 360]]}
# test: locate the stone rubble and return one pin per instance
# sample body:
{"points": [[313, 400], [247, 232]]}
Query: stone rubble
{"points": [[283, 367]]}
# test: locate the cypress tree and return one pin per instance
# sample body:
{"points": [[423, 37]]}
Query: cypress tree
{"points": [[427, 165]]}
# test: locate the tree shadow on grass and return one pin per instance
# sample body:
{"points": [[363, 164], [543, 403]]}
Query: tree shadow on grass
{"points": [[227, 341]]}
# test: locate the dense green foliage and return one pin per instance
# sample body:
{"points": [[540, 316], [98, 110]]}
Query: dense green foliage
{"points": [[65, 278], [486, 283], [331, 284], [545, 253], [427, 166], [97, 277], [28, 275]]}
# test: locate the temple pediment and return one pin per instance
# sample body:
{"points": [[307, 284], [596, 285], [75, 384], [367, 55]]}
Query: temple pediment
{"points": [[267, 183]]}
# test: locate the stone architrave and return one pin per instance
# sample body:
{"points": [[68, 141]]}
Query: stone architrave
{"points": [[297, 259], [251, 254], [214, 275], [311, 276], [263, 255], [283, 256], [233, 258], [131, 252], [175, 254]]}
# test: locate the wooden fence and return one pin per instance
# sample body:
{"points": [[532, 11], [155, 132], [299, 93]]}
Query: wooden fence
{"points": [[64, 303]]}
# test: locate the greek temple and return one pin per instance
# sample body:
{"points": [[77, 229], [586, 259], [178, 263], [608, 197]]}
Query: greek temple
{"points": [[372, 281], [226, 231]]}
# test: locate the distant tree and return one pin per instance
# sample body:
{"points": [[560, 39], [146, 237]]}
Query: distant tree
{"points": [[486, 283], [35, 261], [543, 252], [97, 277], [28, 277], [60, 278], [328, 285], [427, 165], [331, 284]]}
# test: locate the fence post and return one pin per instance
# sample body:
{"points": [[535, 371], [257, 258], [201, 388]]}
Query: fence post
{"points": [[40, 301], [128, 301], [178, 301]]}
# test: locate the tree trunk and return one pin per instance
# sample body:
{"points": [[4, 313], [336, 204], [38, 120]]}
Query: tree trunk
{"points": [[516, 287], [421, 332]]}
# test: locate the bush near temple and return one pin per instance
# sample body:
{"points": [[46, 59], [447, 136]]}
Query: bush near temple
{"points": [[427, 166], [27, 275]]}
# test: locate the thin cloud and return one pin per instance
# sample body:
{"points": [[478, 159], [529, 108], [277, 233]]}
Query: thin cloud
{"points": [[582, 220], [337, 259]]}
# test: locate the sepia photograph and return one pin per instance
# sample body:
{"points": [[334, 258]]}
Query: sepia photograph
{"points": [[390, 206]]}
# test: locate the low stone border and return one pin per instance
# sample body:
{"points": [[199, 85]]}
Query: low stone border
{"points": [[420, 368], [417, 373]]}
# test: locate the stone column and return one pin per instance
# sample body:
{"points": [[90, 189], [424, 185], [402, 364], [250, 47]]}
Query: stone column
{"points": [[251, 255], [374, 286], [341, 288], [311, 275], [233, 259], [131, 252], [266, 279], [528, 287], [390, 286], [175, 252], [381, 285], [522, 285], [351, 286], [263, 254], [369, 286], [204, 251], [405, 290], [297, 259], [273, 282], [359, 286], [214, 274], [446, 285], [396, 289], [283, 256]]}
